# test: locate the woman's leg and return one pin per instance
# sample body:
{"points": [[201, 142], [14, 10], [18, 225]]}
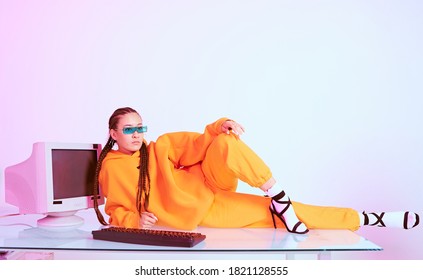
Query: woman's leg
{"points": [[238, 210], [252, 211], [228, 159]]}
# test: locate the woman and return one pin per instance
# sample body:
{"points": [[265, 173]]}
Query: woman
{"points": [[188, 179]]}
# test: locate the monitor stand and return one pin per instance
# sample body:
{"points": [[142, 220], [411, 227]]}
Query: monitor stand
{"points": [[60, 221]]}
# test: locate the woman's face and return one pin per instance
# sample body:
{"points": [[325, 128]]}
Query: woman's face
{"points": [[128, 142]]}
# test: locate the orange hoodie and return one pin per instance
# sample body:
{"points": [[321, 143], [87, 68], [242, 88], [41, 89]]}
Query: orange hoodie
{"points": [[178, 196]]}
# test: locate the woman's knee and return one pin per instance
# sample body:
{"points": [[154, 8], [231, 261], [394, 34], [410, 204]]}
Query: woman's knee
{"points": [[223, 141]]}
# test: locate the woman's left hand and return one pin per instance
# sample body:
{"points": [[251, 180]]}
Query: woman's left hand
{"points": [[232, 126], [147, 220]]}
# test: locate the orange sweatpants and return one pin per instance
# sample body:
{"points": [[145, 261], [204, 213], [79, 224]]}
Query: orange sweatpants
{"points": [[228, 160]]}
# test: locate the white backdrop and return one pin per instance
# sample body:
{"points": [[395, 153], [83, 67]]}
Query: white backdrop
{"points": [[330, 92]]}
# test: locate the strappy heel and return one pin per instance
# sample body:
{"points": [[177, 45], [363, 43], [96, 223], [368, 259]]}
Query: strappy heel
{"points": [[379, 220], [274, 212]]}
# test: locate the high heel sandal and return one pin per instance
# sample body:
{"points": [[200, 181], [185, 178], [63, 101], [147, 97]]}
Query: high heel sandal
{"points": [[379, 219], [274, 212]]}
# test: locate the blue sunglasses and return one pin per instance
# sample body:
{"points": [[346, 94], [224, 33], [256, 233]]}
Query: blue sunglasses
{"points": [[132, 129]]}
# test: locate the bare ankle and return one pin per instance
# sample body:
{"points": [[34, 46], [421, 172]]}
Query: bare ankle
{"points": [[268, 185]]}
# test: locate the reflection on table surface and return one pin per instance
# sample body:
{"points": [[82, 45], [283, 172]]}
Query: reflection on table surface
{"points": [[20, 236]]}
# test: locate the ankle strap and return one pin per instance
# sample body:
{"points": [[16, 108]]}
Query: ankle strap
{"points": [[405, 224], [366, 218], [279, 195], [379, 219]]}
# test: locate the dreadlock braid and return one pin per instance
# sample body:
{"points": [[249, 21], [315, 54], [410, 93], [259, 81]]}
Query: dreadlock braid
{"points": [[109, 145], [143, 192]]}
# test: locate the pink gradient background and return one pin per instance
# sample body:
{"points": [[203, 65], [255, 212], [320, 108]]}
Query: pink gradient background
{"points": [[330, 92]]}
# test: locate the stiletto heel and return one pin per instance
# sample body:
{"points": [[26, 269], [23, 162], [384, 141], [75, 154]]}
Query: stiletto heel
{"points": [[273, 217], [274, 212]]}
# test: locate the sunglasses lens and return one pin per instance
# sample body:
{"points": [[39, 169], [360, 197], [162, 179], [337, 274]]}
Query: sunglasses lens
{"points": [[142, 129], [131, 130]]}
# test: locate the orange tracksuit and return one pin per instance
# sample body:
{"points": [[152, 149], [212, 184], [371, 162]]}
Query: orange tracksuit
{"points": [[193, 183]]}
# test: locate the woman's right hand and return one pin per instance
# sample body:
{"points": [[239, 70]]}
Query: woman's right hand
{"points": [[147, 220], [231, 126]]}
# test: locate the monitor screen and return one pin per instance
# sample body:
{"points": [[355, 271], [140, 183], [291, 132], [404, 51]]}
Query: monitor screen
{"points": [[73, 172]]}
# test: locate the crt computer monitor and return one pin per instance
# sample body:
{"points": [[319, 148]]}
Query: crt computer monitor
{"points": [[57, 180]]}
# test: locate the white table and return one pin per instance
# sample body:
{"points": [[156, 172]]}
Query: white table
{"points": [[19, 234]]}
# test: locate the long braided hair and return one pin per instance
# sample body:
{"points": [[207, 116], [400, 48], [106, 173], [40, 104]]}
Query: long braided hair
{"points": [[143, 190]]}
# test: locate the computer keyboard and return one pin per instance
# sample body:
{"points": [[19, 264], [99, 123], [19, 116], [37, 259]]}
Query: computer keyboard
{"points": [[149, 236]]}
